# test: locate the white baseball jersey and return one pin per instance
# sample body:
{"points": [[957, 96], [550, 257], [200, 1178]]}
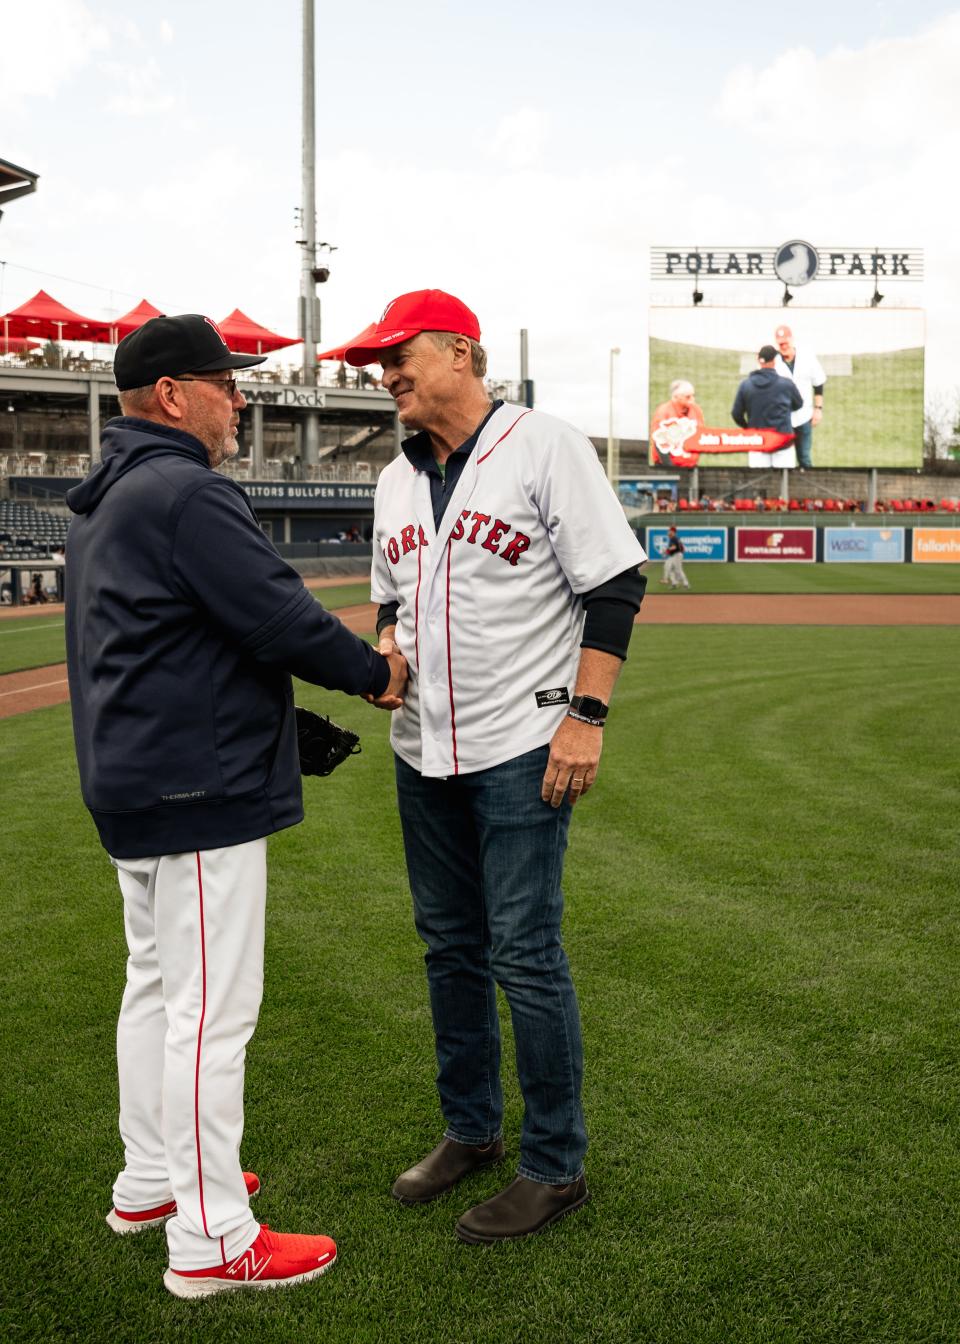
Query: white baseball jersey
{"points": [[489, 616], [807, 373]]}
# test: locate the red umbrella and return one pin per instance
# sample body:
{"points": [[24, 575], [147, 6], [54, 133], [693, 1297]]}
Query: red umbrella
{"points": [[247, 337], [44, 316], [339, 351], [16, 345], [133, 320]]}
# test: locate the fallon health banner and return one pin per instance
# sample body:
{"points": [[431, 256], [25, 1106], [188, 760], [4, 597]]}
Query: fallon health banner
{"points": [[776, 543], [863, 545], [699, 543], [936, 546]]}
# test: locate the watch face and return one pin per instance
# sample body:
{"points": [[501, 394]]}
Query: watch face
{"points": [[591, 706]]}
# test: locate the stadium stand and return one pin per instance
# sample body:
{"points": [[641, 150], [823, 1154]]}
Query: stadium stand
{"points": [[29, 533]]}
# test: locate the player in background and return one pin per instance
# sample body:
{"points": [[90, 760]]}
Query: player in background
{"points": [[507, 573], [807, 372], [183, 626], [673, 573]]}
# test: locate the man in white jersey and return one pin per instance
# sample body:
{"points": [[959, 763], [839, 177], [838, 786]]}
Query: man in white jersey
{"points": [[807, 372], [508, 576]]}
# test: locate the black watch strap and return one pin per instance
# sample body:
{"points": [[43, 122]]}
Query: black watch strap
{"points": [[588, 709]]}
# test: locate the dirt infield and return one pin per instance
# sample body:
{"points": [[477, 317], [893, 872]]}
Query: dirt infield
{"points": [[43, 686]]}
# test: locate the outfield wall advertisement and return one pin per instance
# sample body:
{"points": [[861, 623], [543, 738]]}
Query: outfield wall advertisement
{"points": [[863, 545], [699, 543], [798, 544], [871, 359], [936, 546]]}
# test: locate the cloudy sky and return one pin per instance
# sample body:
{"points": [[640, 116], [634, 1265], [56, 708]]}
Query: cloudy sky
{"points": [[524, 157]]}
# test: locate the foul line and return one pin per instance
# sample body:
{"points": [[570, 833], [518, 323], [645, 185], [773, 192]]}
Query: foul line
{"points": [[47, 625], [41, 686]]}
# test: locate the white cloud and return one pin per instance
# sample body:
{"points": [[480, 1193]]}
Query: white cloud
{"points": [[880, 99], [166, 31], [859, 147], [62, 34], [138, 90], [517, 139]]}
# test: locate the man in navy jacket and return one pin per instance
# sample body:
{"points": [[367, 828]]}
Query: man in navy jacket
{"points": [[764, 400], [184, 626]]}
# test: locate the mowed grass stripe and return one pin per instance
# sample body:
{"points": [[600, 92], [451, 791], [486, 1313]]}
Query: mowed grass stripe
{"points": [[23, 644], [786, 577], [41, 647], [762, 925]]}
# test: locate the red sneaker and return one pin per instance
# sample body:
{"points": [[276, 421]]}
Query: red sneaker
{"points": [[275, 1260], [135, 1222]]}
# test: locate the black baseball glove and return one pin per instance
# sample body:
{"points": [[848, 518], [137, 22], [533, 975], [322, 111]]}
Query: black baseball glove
{"points": [[322, 744]]}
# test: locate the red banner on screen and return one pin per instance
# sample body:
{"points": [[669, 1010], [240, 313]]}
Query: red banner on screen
{"points": [[678, 441], [776, 543]]}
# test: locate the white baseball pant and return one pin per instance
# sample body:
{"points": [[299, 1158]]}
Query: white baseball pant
{"points": [[673, 571], [195, 926]]}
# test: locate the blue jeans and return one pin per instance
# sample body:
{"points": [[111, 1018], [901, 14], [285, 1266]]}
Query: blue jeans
{"points": [[803, 442], [485, 857]]}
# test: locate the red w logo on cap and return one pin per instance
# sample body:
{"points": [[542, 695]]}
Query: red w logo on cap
{"points": [[210, 322]]}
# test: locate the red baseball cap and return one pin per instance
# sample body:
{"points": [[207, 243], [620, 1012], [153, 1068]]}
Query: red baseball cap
{"points": [[407, 316], [783, 334]]}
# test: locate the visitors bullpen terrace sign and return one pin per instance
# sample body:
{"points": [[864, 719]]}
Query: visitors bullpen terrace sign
{"points": [[794, 263]]}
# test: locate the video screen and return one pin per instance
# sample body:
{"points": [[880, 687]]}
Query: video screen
{"points": [[865, 365]]}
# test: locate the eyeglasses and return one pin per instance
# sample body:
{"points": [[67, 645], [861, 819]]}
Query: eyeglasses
{"points": [[229, 385]]}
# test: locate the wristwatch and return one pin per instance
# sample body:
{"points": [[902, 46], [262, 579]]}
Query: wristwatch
{"points": [[588, 709]]}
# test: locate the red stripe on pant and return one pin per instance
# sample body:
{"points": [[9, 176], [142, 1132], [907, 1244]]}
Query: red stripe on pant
{"points": [[203, 1010]]}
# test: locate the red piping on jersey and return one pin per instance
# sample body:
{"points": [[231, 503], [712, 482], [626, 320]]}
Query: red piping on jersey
{"points": [[453, 717], [416, 611], [501, 438], [203, 1009]]}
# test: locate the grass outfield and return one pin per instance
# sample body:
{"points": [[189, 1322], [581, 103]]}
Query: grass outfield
{"points": [[761, 918], [24, 644], [784, 577]]}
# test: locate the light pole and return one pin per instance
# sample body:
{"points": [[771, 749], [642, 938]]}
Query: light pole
{"points": [[613, 444], [308, 260]]}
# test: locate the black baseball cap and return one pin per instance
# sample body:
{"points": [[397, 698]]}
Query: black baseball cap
{"points": [[167, 346], [766, 354]]}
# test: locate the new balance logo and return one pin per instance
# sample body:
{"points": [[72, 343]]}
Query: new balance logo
{"points": [[247, 1266]]}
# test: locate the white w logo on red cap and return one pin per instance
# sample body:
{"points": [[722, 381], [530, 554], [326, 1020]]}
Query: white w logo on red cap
{"points": [[210, 322]]}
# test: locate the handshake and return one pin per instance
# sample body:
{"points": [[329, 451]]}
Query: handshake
{"points": [[392, 697]]}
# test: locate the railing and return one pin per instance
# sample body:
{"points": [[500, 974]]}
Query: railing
{"points": [[290, 469], [328, 375], [44, 464]]}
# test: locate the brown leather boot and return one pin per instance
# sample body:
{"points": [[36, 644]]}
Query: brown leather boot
{"points": [[523, 1208], [440, 1170]]}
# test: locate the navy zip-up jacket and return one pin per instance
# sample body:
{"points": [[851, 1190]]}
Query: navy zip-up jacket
{"points": [[764, 401], [183, 627]]}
